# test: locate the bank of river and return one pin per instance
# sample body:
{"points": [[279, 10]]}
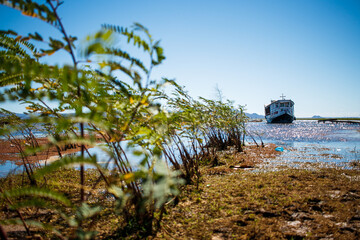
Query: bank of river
{"points": [[303, 199], [309, 191], [305, 143], [308, 143]]}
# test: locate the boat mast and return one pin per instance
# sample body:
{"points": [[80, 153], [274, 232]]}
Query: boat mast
{"points": [[282, 96]]}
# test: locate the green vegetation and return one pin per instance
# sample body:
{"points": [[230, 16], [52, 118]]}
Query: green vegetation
{"points": [[189, 182], [115, 105]]}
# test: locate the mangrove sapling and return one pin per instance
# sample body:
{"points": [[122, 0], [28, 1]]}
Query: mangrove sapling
{"points": [[140, 123], [184, 126], [252, 137], [78, 111], [25, 140], [131, 122], [114, 110], [189, 160], [209, 126], [24, 157], [236, 136], [224, 124], [259, 135], [49, 15]]}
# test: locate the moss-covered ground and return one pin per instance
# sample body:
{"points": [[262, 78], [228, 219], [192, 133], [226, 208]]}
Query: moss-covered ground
{"points": [[287, 204], [234, 200], [243, 203]]}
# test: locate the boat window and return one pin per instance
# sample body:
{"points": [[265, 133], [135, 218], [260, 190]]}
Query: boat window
{"points": [[267, 110], [286, 104], [281, 104]]}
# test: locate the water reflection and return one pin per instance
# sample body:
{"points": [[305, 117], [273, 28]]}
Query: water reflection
{"points": [[309, 144], [306, 143], [9, 167], [306, 131]]}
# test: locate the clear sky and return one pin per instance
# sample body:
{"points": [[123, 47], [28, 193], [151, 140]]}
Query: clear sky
{"points": [[253, 50]]}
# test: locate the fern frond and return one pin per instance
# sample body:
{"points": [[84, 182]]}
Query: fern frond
{"points": [[34, 202], [159, 54], [131, 36], [33, 9], [12, 46], [38, 192], [7, 57], [134, 75], [66, 162], [33, 223], [139, 27], [6, 79], [125, 55], [29, 46]]}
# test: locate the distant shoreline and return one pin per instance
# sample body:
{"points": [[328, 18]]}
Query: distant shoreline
{"points": [[311, 118], [9, 151], [324, 118]]}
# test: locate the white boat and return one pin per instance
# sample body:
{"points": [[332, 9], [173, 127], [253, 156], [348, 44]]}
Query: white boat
{"points": [[280, 111]]}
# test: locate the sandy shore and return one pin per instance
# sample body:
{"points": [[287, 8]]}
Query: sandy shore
{"points": [[9, 151]]}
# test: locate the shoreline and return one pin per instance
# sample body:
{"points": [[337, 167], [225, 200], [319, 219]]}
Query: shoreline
{"points": [[236, 201], [9, 151]]}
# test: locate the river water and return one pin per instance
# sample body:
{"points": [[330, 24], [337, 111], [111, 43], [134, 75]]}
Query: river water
{"points": [[309, 144], [306, 144]]}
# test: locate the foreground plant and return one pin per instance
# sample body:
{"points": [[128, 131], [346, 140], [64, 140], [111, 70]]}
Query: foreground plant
{"points": [[112, 110], [198, 129], [113, 104]]}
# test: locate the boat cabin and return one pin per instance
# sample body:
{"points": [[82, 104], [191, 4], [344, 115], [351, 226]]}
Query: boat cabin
{"points": [[280, 111]]}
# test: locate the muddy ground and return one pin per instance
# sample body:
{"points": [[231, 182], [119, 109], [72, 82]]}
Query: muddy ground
{"points": [[245, 203], [235, 200], [10, 150]]}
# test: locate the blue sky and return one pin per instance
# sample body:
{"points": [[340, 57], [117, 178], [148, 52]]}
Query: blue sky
{"points": [[253, 50]]}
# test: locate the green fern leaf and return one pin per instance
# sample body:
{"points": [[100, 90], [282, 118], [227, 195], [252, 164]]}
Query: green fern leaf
{"points": [[33, 223], [130, 36], [38, 192], [66, 162], [125, 55]]}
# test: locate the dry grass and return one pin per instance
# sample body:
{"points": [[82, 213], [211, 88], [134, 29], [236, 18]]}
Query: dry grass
{"points": [[65, 181], [287, 204], [234, 201]]}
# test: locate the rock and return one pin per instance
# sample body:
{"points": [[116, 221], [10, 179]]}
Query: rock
{"points": [[334, 194], [293, 223], [302, 216], [328, 216], [294, 229], [216, 237]]}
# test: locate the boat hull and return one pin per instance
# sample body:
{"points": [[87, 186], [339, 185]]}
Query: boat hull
{"points": [[280, 111], [284, 118]]}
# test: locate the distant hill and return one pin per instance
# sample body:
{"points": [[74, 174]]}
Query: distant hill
{"points": [[20, 115], [254, 115], [316, 116]]}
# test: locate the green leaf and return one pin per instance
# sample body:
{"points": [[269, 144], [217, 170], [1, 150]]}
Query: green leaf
{"points": [[38, 192], [56, 44], [36, 36], [85, 211], [33, 223], [65, 162]]}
